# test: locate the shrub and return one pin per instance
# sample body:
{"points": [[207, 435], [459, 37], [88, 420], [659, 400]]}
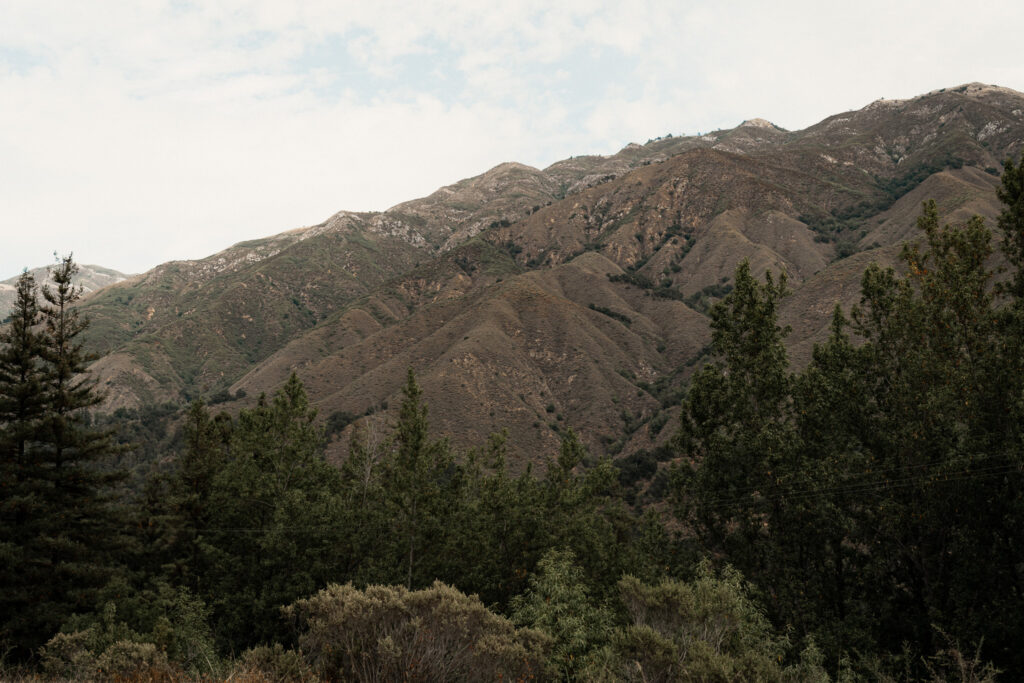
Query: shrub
{"points": [[129, 660], [708, 629], [67, 656], [388, 633], [275, 664], [71, 656], [557, 602]]}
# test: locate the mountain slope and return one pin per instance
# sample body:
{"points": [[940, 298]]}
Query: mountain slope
{"points": [[89, 278], [573, 295]]}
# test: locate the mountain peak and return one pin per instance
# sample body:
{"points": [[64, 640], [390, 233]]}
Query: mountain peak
{"points": [[757, 123]]}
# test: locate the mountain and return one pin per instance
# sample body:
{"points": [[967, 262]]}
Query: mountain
{"points": [[89, 278], [575, 295]]}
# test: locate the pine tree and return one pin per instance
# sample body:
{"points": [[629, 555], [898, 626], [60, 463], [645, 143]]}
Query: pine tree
{"points": [[1011, 221], [417, 477], [737, 429], [272, 516], [21, 409], [21, 403], [67, 534]]}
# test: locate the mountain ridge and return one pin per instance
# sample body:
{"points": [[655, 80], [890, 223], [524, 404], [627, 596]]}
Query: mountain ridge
{"points": [[91, 278], [518, 291]]}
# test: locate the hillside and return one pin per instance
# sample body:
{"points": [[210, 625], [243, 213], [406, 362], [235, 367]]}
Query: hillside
{"points": [[575, 295], [89, 278]]}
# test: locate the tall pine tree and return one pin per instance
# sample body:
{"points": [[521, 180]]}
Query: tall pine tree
{"points": [[60, 513], [21, 503]]}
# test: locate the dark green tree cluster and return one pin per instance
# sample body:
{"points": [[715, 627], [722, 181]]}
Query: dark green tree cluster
{"points": [[875, 497], [254, 518], [57, 531]]}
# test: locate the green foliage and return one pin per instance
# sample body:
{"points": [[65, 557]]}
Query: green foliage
{"points": [[735, 428], [276, 664], [337, 422], [624, 319], [1011, 222], [55, 509], [107, 649], [938, 377], [391, 633], [875, 496], [637, 279], [557, 602], [841, 222], [709, 629], [707, 296], [418, 484], [272, 512]]}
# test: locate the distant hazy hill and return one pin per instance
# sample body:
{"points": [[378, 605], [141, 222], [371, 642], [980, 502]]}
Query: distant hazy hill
{"points": [[90, 278], [570, 296]]}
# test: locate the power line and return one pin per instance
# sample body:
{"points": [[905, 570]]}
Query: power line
{"points": [[863, 487]]}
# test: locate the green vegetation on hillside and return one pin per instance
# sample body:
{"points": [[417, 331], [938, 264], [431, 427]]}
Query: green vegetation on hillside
{"points": [[860, 519]]}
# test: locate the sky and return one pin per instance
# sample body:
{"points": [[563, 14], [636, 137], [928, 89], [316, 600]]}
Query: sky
{"points": [[141, 131]]}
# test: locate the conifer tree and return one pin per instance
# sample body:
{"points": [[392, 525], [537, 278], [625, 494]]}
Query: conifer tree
{"points": [[21, 393], [64, 549], [737, 429], [21, 410], [941, 501], [416, 478], [273, 518], [1011, 221]]}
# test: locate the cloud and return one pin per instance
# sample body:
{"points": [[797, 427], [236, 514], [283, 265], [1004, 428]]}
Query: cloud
{"points": [[136, 132]]}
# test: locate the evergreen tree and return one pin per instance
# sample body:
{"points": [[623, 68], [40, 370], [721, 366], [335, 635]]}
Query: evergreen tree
{"points": [[499, 523], [364, 509], [558, 603], [1011, 221], [419, 482], [946, 517], [821, 582], [737, 430], [21, 505], [176, 508], [273, 517], [21, 404], [584, 512], [66, 529]]}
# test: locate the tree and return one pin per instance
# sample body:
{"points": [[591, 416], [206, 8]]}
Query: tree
{"points": [[558, 603], [176, 508], [66, 526], [1011, 222], [417, 479], [584, 512], [821, 582], [736, 425], [945, 516], [21, 404], [21, 410], [273, 517]]}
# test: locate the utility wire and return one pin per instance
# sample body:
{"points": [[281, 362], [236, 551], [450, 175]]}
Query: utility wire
{"points": [[863, 487]]}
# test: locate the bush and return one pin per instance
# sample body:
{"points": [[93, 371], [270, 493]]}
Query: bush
{"points": [[390, 633], [71, 656], [127, 659], [708, 629], [275, 664], [67, 656], [557, 602]]}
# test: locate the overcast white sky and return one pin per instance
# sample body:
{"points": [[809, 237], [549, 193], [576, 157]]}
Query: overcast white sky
{"points": [[137, 132]]}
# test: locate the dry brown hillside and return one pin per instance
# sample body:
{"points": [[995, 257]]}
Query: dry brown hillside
{"points": [[538, 299]]}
